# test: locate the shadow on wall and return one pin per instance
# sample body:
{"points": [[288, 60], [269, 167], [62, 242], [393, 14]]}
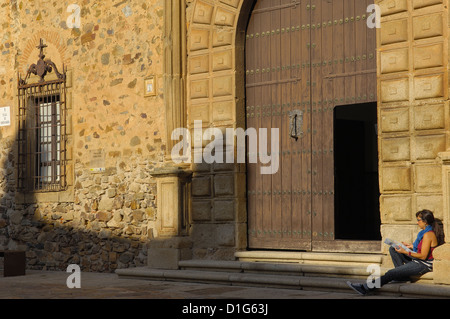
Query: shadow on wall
{"points": [[102, 232]]}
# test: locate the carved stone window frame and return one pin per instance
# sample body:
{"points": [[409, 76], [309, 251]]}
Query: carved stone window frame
{"points": [[44, 87]]}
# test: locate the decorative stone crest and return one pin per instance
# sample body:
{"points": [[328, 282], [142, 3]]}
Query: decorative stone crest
{"points": [[42, 67]]}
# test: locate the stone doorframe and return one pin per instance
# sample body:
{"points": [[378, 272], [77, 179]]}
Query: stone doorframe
{"points": [[204, 64], [210, 68], [211, 44]]}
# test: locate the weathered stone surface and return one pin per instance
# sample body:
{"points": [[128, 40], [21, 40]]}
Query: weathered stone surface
{"points": [[224, 185], [16, 217], [106, 204], [105, 58], [224, 210], [135, 141], [201, 186], [201, 210], [163, 258], [441, 265], [396, 208], [103, 216], [225, 234]]}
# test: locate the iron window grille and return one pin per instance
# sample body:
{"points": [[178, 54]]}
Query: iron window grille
{"points": [[42, 130]]}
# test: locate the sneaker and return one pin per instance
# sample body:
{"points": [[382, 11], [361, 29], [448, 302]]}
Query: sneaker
{"points": [[359, 288]]}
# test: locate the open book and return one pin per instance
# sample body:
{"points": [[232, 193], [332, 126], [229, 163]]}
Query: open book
{"points": [[397, 245]]}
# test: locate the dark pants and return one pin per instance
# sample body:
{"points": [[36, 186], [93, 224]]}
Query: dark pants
{"points": [[405, 267]]}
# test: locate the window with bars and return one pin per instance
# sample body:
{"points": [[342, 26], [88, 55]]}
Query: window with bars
{"points": [[42, 136], [48, 146]]}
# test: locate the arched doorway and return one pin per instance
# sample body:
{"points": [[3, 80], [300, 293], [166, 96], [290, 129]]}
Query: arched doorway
{"points": [[303, 59]]}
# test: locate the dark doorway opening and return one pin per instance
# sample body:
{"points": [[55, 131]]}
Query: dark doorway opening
{"points": [[357, 209]]}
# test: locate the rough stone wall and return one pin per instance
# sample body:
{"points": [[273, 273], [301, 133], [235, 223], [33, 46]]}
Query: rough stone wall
{"points": [[413, 111], [7, 186], [105, 218]]}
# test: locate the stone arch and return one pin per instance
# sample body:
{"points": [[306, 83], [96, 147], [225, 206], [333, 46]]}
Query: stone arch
{"points": [[215, 92]]}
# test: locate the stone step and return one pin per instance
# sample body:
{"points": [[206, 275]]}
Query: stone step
{"points": [[357, 262], [269, 268], [239, 276], [313, 258], [289, 270], [229, 278]]}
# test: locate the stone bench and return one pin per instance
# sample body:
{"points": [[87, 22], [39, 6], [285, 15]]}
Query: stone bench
{"points": [[13, 263]]}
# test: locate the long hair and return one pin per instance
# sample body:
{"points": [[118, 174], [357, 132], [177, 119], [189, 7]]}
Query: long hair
{"points": [[428, 216]]}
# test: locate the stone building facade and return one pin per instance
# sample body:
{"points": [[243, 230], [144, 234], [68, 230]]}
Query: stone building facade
{"points": [[115, 134], [126, 202]]}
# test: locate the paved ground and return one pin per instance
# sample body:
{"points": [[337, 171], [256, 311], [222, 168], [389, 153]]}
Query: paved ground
{"points": [[46, 293], [52, 285]]}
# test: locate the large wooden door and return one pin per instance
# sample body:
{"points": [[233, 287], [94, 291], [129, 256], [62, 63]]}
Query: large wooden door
{"points": [[305, 57]]}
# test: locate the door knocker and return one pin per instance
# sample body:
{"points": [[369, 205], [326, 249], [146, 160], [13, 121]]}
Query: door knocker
{"points": [[296, 124]]}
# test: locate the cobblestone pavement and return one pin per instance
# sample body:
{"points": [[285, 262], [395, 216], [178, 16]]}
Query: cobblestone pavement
{"points": [[52, 285]]}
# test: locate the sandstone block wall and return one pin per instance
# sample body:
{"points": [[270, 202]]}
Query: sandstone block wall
{"points": [[216, 96], [413, 112]]}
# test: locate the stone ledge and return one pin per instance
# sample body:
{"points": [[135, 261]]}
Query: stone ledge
{"points": [[171, 171], [279, 281], [290, 269], [309, 257]]}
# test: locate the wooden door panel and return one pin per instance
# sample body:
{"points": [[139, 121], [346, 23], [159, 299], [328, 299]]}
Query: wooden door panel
{"points": [[302, 147], [253, 96], [276, 215], [285, 160], [272, 106], [311, 56], [266, 88], [317, 121]]}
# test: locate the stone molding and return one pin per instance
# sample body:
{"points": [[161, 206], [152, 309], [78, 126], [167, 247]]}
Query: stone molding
{"points": [[174, 68]]}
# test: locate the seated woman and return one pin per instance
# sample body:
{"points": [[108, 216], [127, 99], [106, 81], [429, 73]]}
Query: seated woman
{"points": [[415, 263]]}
